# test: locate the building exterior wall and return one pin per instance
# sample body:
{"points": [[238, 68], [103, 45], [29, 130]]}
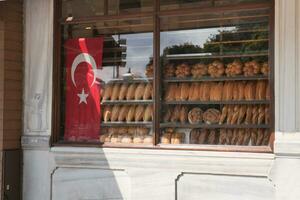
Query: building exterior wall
{"points": [[95, 173]]}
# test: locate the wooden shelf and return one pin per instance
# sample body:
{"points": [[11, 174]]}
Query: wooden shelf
{"points": [[209, 55], [212, 126], [116, 124], [208, 78], [134, 80], [127, 102], [250, 102]]}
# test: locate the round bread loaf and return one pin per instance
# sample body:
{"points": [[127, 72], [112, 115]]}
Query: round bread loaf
{"points": [[216, 69], [211, 116], [199, 70], [195, 116]]}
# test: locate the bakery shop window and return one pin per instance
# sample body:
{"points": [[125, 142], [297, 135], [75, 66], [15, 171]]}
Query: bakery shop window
{"points": [[171, 74], [216, 79], [108, 82]]}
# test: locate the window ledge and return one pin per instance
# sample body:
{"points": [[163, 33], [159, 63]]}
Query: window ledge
{"points": [[249, 164]]}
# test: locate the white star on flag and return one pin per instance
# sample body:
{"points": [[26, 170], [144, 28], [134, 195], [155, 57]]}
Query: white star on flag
{"points": [[82, 97]]}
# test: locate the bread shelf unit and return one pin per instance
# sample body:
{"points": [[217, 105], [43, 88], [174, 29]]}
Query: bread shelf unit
{"points": [[127, 102], [199, 56], [126, 124], [133, 80], [213, 126], [240, 102], [223, 78]]}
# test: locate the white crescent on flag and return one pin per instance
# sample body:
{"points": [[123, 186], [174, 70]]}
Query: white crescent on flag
{"points": [[83, 57]]}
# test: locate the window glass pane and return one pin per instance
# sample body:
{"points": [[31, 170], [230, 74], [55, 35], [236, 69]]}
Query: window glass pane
{"points": [[124, 79], [179, 4], [88, 8], [215, 78]]}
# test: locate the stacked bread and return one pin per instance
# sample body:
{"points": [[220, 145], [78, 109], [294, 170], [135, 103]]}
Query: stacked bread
{"points": [[127, 113], [254, 137], [126, 135], [215, 69], [124, 91], [218, 91], [245, 114], [170, 136]]}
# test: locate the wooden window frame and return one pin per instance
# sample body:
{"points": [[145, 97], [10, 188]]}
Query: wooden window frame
{"points": [[156, 14]]}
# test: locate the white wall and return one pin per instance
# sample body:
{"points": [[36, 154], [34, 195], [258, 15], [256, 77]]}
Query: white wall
{"points": [[94, 173]]}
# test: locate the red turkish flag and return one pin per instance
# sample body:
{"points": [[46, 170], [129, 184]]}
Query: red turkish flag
{"points": [[82, 114]]}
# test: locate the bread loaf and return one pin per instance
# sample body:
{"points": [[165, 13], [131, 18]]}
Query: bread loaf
{"points": [[254, 115], [235, 116], [242, 114], [250, 90], [167, 114], [248, 119], [235, 68], [166, 138], [183, 70], [108, 91], [148, 139], [176, 114], [216, 90], [115, 113], [260, 90], [195, 116], [211, 116], [131, 114], [103, 137], [229, 136], [230, 112], [177, 138], [265, 69], [205, 91], [139, 92], [115, 92], [148, 92], [199, 70], [235, 136], [131, 92], [137, 139], [212, 137], [251, 68], [253, 137], [139, 113], [123, 113], [183, 114], [227, 94], [170, 92], [178, 93], [216, 69], [268, 92], [169, 70], [194, 136], [241, 135], [267, 115], [194, 92], [247, 137], [224, 114], [107, 111], [222, 138], [241, 90], [126, 139], [148, 114], [184, 91], [142, 130], [261, 115], [266, 137], [235, 91], [260, 137], [203, 136], [123, 91]]}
